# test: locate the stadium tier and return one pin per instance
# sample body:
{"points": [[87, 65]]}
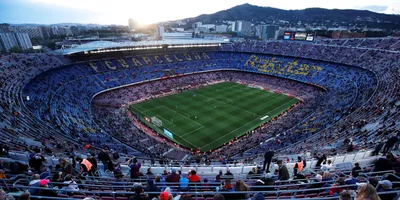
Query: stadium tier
{"points": [[204, 110]]}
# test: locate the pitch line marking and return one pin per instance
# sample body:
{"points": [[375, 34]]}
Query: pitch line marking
{"points": [[229, 105], [183, 116], [245, 124]]}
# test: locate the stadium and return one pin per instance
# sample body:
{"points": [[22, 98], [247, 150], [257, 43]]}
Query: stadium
{"points": [[265, 119]]}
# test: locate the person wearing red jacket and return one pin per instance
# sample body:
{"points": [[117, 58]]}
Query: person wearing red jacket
{"points": [[193, 177]]}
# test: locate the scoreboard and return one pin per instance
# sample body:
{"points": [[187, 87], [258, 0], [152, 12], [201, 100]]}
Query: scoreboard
{"points": [[299, 36]]}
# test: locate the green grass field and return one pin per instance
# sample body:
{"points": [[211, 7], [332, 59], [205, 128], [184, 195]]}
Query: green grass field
{"points": [[206, 118]]}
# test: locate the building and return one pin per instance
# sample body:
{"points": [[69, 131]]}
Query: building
{"points": [[159, 32], [205, 28], [33, 31], [133, 24], [8, 41], [197, 24], [268, 32], [221, 29], [46, 31], [177, 36], [24, 42], [243, 27], [232, 26], [64, 30]]}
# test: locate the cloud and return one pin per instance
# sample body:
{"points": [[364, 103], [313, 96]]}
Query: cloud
{"points": [[374, 8]]}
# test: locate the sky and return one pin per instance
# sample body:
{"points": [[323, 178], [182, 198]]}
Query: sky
{"points": [[152, 11]]}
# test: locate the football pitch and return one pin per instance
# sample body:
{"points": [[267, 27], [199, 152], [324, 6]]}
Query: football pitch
{"points": [[207, 118]]}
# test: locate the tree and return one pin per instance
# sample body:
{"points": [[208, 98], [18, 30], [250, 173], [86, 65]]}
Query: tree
{"points": [[15, 49]]}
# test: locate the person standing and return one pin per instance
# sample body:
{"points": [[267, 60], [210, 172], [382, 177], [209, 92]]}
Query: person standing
{"points": [[134, 166], [105, 158], [390, 143], [298, 167], [321, 158], [283, 171], [268, 158], [91, 159]]}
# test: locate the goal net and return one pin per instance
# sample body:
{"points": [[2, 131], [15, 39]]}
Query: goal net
{"points": [[156, 121]]}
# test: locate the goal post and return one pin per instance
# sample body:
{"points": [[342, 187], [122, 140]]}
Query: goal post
{"points": [[157, 122]]}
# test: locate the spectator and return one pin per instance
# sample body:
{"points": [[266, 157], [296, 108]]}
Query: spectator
{"points": [[205, 184], [265, 181], [386, 186], [219, 197], [193, 177], [384, 164], [228, 175], [66, 167], [165, 196], [3, 195], [335, 189], [25, 196], [43, 172], [298, 167], [351, 180], [139, 193], [135, 166], [46, 191], [321, 158], [228, 187], [173, 177], [149, 172], [183, 183], [252, 173], [71, 183], [267, 159], [326, 176], [151, 187], [378, 148], [160, 182], [240, 186], [93, 161], [345, 195], [327, 166], [2, 174], [356, 170], [84, 164], [367, 191], [36, 161], [315, 184], [218, 176], [258, 196], [283, 171], [390, 143], [35, 182], [105, 158]]}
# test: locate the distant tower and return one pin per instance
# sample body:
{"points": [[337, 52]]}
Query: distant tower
{"points": [[133, 24], [159, 32]]}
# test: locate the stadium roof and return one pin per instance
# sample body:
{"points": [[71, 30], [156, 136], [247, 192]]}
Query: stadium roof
{"points": [[101, 45]]}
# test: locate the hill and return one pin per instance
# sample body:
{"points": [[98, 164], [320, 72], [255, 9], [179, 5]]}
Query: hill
{"points": [[311, 15]]}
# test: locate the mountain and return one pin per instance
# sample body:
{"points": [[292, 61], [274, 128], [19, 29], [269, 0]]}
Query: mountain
{"points": [[253, 13]]}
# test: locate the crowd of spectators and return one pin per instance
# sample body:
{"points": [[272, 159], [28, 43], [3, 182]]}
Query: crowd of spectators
{"points": [[79, 177], [357, 109]]}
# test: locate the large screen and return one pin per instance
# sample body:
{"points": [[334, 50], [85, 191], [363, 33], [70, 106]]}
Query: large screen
{"points": [[310, 37], [300, 36], [288, 35]]}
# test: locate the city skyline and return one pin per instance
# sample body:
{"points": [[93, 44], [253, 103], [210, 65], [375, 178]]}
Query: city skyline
{"points": [[153, 11]]}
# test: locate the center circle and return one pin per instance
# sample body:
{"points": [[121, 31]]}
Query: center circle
{"points": [[220, 102]]}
